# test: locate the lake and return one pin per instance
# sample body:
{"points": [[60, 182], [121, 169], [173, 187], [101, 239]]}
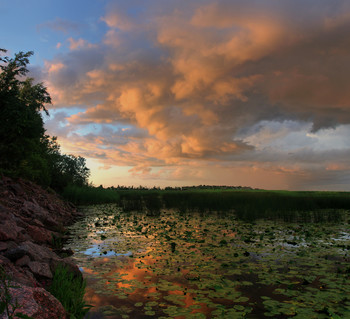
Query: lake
{"points": [[210, 265]]}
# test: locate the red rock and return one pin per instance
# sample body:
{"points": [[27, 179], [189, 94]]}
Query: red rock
{"points": [[30, 214], [40, 269], [18, 190], [67, 262], [25, 260], [3, 246], [9, 230], [23, 276], [50, 207], [39, 234], [37, 303], [15, 253], [36, 211], [37, 252]]}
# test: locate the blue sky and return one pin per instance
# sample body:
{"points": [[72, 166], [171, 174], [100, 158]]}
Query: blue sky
{"points": [[221, 92], [39, 25]]}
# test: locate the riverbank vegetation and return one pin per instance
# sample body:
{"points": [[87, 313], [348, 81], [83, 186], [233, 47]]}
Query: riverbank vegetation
{"points": [[247, 204], [70, 290]]}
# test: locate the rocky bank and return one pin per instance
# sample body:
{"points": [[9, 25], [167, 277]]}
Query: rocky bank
{"points": [[30, 217]]}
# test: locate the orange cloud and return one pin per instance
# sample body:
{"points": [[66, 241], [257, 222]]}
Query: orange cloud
{"points": [[224, 82]]}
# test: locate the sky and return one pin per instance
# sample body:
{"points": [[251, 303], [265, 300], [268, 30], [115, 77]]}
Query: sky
{"points": [[174, 93]]}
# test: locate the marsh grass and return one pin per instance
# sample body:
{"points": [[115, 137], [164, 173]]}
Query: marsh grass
{"points": [[70, 290], [88, 195], [246, 204]]}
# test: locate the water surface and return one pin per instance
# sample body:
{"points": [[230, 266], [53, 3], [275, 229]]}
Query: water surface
{"points": [[210, 266]]}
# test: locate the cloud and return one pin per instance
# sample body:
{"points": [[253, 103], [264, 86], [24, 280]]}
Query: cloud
{"points": [[211, 82], [79, 44], [60, 25]]}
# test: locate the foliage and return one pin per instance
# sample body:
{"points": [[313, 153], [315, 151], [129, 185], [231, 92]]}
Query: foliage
{"points": [[7, 304], [21, 122], [70, 290], [25, 150]]}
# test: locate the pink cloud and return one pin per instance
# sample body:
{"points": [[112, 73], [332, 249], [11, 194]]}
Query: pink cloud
{"points": [[195, 78]]}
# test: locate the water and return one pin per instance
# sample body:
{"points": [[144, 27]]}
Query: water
{"points": [[195, 266]]}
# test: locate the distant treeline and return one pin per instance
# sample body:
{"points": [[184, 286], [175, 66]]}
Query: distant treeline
{"points": [[25, 150], [179, 188]]}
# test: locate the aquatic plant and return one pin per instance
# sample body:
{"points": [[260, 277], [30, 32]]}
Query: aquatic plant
{"points": [[198, 265], [70, 290]]}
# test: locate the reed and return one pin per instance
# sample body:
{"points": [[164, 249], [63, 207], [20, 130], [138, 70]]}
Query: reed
{"points": [[88, 195], [70, 290]]}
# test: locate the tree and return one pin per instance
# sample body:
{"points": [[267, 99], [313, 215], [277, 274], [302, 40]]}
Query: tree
{"points": [[22, 125], [25, 149]]}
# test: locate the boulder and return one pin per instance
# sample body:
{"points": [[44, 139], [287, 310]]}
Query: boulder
{"points": [[36, 211], [9, 230], [68, 263], [39, 234], [32, 221], [3, 246], [17, 189], [40, 269], [37, 303], [22, 276], [29, 216], [25, 260], [15, 253], [36, 252]]}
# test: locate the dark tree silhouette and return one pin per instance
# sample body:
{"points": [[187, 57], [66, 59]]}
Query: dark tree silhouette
{"points": [[25, 150]]}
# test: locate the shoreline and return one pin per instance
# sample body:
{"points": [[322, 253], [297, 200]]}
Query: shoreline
{"points": [[32, 229]]}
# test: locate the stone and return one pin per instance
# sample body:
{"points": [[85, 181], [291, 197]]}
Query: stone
{"points": [[39, 234], [67, 262], [32, 221], [3, 246], [15, 253], [4, 260], [9, 230], [29, 216], [37, 252], [20, 275], [22, 261], [4, 210], [37, 303], [64, 252], [50, 207], [39, 213], [17, 189], [40, 269]]}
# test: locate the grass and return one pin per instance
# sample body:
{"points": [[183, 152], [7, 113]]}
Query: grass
{"points": [[69, 290], [246, 204], [88, 195]]}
